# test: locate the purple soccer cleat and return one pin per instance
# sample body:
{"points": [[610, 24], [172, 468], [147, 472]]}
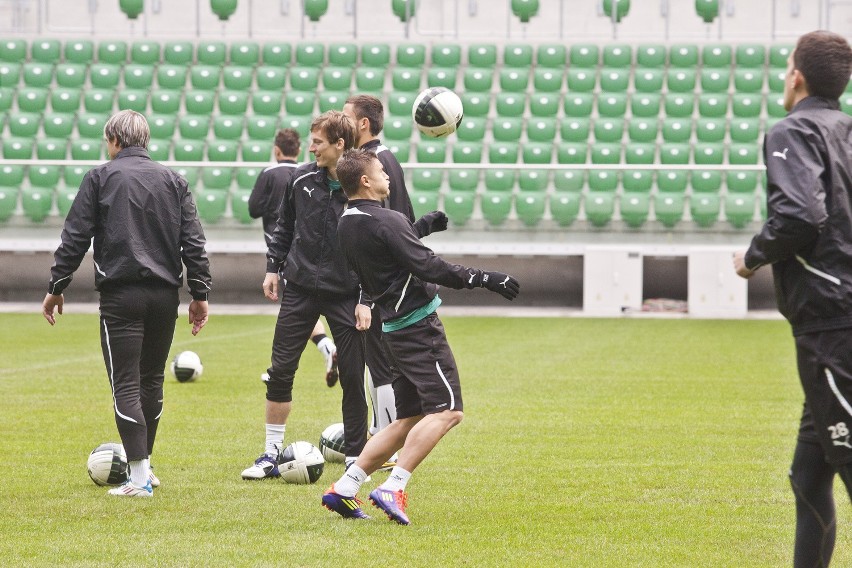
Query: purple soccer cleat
{"points": [[346, 507], [393, 503]]}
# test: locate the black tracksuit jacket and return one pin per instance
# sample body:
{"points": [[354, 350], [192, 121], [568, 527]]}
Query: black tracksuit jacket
{"points": [[398, 200], [807, 236], [143, 220], [268, 191]]}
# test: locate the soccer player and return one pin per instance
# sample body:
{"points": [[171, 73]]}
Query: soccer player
{"points": [[807, 238], [316, 281], [265, 201], [144, 223], [368, 114], [400, 273]]}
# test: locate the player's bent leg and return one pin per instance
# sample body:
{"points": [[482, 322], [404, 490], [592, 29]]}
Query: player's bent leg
{"points": [[811, 478], [425, 435]]}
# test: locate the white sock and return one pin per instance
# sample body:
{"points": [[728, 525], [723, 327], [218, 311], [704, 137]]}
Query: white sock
{"points": [[351, 481], [274, 438], [374, 402], [325, 346], [397, 480], [386, 406], [139, 470]]}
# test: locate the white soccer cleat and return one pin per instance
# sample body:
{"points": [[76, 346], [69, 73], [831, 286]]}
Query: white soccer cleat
{"points": [[129, 490], [329, 351], [264, 466], [153, 480]]}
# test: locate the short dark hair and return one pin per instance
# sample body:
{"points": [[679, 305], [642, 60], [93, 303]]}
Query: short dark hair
{"points": [[825, 60], [287, 140], [369, 107], [336, 125], [350, 167]]}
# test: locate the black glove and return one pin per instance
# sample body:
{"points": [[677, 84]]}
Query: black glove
{"points": [[431, 223], [503, 284]]}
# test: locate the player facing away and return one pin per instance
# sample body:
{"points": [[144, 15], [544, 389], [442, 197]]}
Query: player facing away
{"points": [[144, 224], [265, 201], [368, 114], [807, 238], [401, 274], [315, 280]]}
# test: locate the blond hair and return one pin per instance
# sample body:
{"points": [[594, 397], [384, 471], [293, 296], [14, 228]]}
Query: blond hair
{"points": [[128, 128]]}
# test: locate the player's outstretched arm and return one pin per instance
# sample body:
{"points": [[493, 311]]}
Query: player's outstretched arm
{"points": [[505, 285], [431, 223]]}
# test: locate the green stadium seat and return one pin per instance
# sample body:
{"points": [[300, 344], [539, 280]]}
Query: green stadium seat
{"points": [[776, 79], [405, 78], [713, 105], [640, 153], [36, 202], [634, 207], [674, 153], [569, 180], [193, 127], [496, 207], [178, 53], [716, 55], [510, 104], [226, 128], [612, 104], [775, 106], [440, 77], [247, 176], [211, 204], [6, 97], [599, 207], [577, 105], [216, 178], [32, 99], [463, 180], [637, 181], [617, 56], [237, 78], [606, 153], [271, 78], [187, 150], [50, 149], [301, 124], [574, 129], [706, 181], [427, 179], [512, 79], [609, 130], [337, 78], [546, 80], [304, 78], [204, 77], [743, 154], [680, 80], [572, 153], [11, 175], [370, 79], [266, 103], [145, 52], [171, 77], [411, 55], [683, 56], [650, 56], [541, 129], [750, 55], [581, 80], [499, 180], [778, 55], [482, 55], [603, 180], [467, 152], [44, 176], [478, 80], [259, 127], [189, 174], [24, 124], [645, 105], [715, 80], [544, 104], [564, 207], [459, 207], [46, 51], [38, 74], [614, 80], [400, 128], [648, 81], [159, 150], [642, 130], [744, 129], [8, 202], [239, 206], [748, 81], [475, 104], [233, 102], [211, 53], [10, 74], [343, 55], [375, 55], [65, 100], [133, 100], [552, 55], [533, 180], [741, 182], [584, 55], [165, 101], [746, 105], [332, 101], [668, 208], [13, 50], [86, 149], [739, 209], [705, 209], [104, 75], [708, 153], [677, 129], [244, 53], [518, 55], [200, 102], [73, 175], [446, 55], [162, 126], [537, 152], [472, 129], [431, 151], [112, 52], [220, 151], [256, 151], [72, 75], [277, 54], [91, 125], [503, 152], [58, 125], [424, 203], [710, 129], [64, 198], [530, 208], [310, 54], [138, 76]]}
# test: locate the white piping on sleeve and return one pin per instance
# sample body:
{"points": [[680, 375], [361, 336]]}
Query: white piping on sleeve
{"points": [[833, 279], [402, 295]]}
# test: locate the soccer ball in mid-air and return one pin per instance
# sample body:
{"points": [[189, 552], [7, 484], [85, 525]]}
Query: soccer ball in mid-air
{"points": [[187, 366], [107, 464], [301, 462], [332, 442], [437, 112]]}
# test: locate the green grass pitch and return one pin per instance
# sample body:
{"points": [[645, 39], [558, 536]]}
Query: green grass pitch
{"points": [[586, 442]]}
